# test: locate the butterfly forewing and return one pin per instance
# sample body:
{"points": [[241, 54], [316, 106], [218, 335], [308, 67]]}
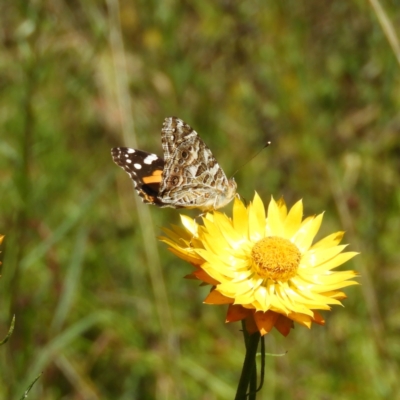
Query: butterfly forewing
{"points": [[145, 170]]}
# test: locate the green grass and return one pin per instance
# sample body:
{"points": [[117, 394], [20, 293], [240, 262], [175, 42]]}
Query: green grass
{"points": [[101, 307]]}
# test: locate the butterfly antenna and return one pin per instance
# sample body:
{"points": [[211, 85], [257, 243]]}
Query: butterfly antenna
{"points": [[252, 157]]}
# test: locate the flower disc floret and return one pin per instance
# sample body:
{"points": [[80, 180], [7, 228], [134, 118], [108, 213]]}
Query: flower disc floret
{"points": [[275, 258]]}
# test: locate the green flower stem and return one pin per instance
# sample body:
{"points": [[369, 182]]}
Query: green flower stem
{"points": [[248, 377]]}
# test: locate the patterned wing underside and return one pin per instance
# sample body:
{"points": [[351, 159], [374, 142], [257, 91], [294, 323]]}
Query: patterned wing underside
{"points": [[191, 172], [174, 132]]}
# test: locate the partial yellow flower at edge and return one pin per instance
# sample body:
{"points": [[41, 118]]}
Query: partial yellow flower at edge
{"points": [[265, 267]]}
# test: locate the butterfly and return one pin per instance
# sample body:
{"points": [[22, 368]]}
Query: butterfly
{"points": [[189, 176]]}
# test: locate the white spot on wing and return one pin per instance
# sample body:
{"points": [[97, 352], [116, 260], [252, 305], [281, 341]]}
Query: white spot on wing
{"points": [[150, 158], [137, 166], [130, 151]]}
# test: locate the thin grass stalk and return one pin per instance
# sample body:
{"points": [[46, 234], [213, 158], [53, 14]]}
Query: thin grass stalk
{"points": [[368, 288], [23, 184], [370, 295], [145, 220], [22, 219], [387, 27]]}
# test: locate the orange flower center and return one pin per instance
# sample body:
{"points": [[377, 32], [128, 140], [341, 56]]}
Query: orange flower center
{"points": [[275, 258]]}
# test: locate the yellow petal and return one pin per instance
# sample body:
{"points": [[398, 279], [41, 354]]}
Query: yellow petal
{"points": [[240, 220], [282, 208], [262, 296], [301, 319], [335, 294], [314, 300], [213, 272], [274, 223], [259, 210], [189, 224], [215, 261], [227, 230], [329, 241], [305, 235], [173, 235], [313, 258], [192, 258], [293, 220], [215, 243], [287, 297], [339, 285], [330, 264], [256, 219]]}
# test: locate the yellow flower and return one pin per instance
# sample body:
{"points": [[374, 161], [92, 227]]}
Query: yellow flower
{"points": [[265, 268]]}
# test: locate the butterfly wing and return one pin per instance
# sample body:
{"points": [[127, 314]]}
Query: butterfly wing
{"points": [[175, 132], [188, 177], [192, 176], [145, 170]]}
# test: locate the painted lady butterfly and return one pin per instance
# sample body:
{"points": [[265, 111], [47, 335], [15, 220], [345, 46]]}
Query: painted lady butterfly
{"points": [[188, 176]]}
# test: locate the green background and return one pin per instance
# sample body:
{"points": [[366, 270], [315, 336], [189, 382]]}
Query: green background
{"points": [[101, 307]]}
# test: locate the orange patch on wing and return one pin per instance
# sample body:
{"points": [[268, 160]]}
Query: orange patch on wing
{"points": [[154, 178]]}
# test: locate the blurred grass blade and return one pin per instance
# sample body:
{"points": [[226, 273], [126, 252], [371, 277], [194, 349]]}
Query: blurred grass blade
{"points": [[10, 331], [40, 250], [387, 27], [71, 281], [120, 64], [25, 395], [82, 383], [207, 378], [60, 342]]}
